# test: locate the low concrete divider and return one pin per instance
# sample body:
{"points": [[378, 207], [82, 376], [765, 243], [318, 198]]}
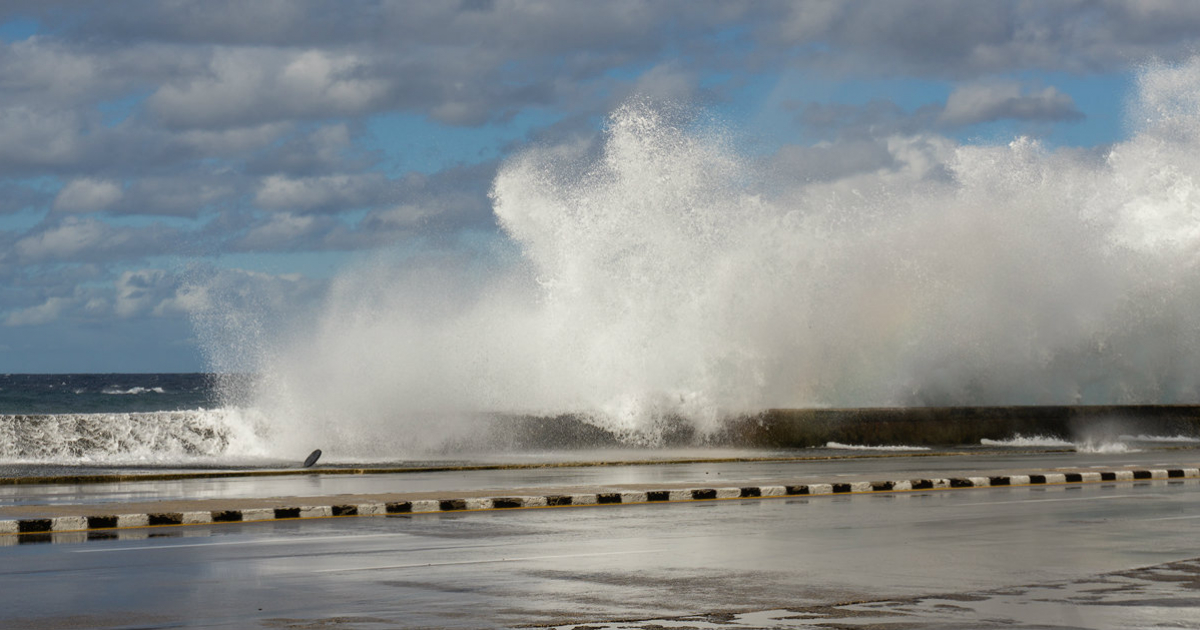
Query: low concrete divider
{"points": [[44, 529]]}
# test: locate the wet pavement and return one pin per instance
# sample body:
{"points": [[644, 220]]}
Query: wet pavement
{"points": [[920, 559], [798, 469]]}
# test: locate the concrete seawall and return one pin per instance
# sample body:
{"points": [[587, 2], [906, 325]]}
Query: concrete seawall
{"points": [[927, 426], [804, 428]]}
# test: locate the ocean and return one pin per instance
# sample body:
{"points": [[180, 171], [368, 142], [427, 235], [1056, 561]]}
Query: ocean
{"points": [[53, 422]]}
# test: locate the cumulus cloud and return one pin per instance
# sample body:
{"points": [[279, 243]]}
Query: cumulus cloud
{"points": [[47, 311], [88, 195], [252, 86], [345, 192], [84, 239], [987, 102], [247, 127]]}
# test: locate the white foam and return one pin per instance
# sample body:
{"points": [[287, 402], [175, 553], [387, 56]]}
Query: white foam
{"points": [[198, 436], [1169, 439], [860, 447], [664, 274], [132, 391], [1035, 441]]}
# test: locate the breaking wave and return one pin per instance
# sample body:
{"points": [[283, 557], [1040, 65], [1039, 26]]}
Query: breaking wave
{"points": [[132, 391], [666, 275], [167, 437], [1082, 446]]}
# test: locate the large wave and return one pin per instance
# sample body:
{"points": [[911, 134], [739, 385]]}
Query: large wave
{"points": [[219, 436], [667, 275]]}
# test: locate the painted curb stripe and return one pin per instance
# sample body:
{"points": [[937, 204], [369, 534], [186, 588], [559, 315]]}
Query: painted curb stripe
{"points": [[95, 525]]}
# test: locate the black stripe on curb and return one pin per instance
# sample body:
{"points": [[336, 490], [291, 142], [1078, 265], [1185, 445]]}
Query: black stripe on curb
{"points": [[227, 516], [76, 528], [167, 518], [34, 525], [101, 522]]}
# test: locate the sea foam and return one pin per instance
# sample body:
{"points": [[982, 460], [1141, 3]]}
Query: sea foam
{"points": [[663, 274]]}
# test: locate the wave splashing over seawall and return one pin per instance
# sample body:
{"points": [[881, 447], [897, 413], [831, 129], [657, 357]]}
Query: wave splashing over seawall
{"points": [[166, 437], [666, 276]]}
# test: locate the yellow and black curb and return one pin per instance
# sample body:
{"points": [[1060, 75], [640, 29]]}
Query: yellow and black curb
{"points": [[101, 525]]}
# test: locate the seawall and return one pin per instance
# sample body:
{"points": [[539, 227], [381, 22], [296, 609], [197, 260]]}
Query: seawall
{"points": [[929, 426]]}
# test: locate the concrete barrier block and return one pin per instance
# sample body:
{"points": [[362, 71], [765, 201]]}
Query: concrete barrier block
{"points": [[133, 520], [196, 518], [860, 486], [372, 509], [902, 485], [535, 501], [315, 511], [258, 514], [820, 488], [1124, 475], [1158, 474], [430, 505], [980, 482], [679, 495], [9, 527], [583, 499], [68, 523], [729, 493], [1191, 472], [633, 497], [1018, 480], [1055, 478], [479, 504], [1090, 476], [775, 491]]}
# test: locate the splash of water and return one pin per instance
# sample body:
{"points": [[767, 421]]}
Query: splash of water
{"points": [[669, 276]]}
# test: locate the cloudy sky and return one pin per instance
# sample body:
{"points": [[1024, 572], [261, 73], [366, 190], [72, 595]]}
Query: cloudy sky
{"points": [[161, 157]]}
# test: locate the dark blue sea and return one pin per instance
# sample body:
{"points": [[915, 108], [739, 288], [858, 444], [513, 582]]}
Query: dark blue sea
{"points": [[105, 393]]}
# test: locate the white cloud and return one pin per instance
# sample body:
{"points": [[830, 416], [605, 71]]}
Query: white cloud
{"points": [[244, 86], [43, 313], [78, 239], [40, 137], [278, 192], [88, 195], [987, 102]]}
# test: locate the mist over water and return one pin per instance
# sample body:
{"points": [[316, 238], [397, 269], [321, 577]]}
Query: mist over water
{"points": [[669, 275]]}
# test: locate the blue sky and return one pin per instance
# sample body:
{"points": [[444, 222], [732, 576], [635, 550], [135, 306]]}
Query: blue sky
{"points": [[260, 150]]}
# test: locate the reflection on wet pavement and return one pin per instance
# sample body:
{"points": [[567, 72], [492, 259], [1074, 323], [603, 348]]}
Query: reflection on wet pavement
{"points": [[1163, 596]]}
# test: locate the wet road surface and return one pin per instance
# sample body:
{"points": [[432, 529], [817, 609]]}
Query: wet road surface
{"points": [[993, 553], [701, 473]]}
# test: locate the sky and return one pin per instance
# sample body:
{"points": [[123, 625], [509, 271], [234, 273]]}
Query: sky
{"points": [[162, 159]]}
